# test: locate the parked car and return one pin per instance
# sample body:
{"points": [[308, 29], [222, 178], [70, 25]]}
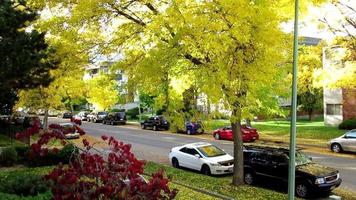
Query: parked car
{"points": [[97, 116], [346, 142], [201, 156], [192, 128], [83, 116], [272, 163], [115, 118], [156, 123], [249, 134], [29, 121], [18, 117], [66, 115], [70, 130], [53, 113]]}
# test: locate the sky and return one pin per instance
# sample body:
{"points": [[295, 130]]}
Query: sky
{"points": [[311, 26]]}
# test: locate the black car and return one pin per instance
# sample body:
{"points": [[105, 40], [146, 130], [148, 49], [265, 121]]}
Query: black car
{"points": [[29, 121], [272, 162], [97, 116], [67, 115], [156, 123], [115, 118]]}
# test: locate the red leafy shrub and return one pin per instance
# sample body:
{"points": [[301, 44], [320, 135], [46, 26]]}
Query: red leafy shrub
{"points": [[76, 121], [91, 176]]}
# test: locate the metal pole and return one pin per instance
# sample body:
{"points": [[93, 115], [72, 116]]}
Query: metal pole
{"points": [[291, 175], [139, 108]]}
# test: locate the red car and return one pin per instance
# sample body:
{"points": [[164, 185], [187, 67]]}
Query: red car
{"points": [[249, 134]]}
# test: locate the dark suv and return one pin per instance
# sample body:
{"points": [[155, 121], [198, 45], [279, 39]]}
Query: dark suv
{"points": [[156, 123], [115, 118], [272, 162]]}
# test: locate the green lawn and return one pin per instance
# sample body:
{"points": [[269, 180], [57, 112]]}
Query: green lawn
{"points": [[221, 185], [305, 129], [279, 128], [6, 141]]}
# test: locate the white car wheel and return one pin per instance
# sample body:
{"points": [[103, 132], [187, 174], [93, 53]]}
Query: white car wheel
{"points": [[336, 148]]}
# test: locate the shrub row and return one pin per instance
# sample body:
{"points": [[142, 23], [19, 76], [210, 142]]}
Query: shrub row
{"points": [[8, 156], [20, 154], [24, 184], [348, 124]]}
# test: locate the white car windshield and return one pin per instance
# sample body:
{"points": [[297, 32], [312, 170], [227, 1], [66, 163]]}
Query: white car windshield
{"points": [[211, 151]]}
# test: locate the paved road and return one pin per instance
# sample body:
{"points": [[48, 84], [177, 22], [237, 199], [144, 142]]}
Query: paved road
{"points": [[155, 146]]}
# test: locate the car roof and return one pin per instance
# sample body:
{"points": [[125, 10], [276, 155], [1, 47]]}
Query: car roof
{"points": [[269, 148], [197, 144], [66, 124]]}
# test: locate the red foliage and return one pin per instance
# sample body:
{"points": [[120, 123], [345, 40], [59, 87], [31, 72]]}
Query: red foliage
{"points": [[114, 174], [56, 132], [90, 176], [76, 121]]}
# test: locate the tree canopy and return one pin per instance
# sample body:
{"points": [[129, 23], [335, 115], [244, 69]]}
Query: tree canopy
{"points": [[232, 51], [25, 56]]}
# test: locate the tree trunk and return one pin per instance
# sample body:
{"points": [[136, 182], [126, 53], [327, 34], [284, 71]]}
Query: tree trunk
{"points": [[238, 176], [71, 108], [45, 119], [248, 122], [310, 113]]}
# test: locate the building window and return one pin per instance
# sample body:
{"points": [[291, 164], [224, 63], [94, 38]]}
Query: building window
{"points": [[333, 109]]}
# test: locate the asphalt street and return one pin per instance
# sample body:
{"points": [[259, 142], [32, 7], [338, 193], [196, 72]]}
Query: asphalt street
{"points": [[155, 146]]}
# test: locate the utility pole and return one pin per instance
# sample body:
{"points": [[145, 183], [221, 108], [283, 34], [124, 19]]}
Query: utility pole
{"points": [[291, 174]]}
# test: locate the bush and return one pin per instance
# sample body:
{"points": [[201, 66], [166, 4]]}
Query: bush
{"points": [[117, 110], [42, 196], [52, 158], [24, 185], [133, 113], [24, 182], [348, 124], [22, 153], [8, 156]]}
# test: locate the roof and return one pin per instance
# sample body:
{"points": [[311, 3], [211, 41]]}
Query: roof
{"points": [[310, 41], [197, 144]]}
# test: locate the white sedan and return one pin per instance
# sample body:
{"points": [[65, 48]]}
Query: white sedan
{"points": [[202, 156]]}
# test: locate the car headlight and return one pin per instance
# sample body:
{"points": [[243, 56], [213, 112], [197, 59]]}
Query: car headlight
{"points": [[319, 181], [214, 164]]}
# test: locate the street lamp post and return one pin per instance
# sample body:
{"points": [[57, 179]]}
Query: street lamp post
{"points": [[291, 175]]}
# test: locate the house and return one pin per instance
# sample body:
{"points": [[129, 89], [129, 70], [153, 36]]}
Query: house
{"points": [[339, 103]]}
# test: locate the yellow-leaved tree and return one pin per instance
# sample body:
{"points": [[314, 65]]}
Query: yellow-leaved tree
{"points": [[231, 50], [102, 92]]}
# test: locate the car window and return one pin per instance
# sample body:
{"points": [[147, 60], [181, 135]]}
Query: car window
{"points": [[191, 151], [184, 150], [102, 113], [259, 156], [280, 158], [211, 151], [351, 134]]}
